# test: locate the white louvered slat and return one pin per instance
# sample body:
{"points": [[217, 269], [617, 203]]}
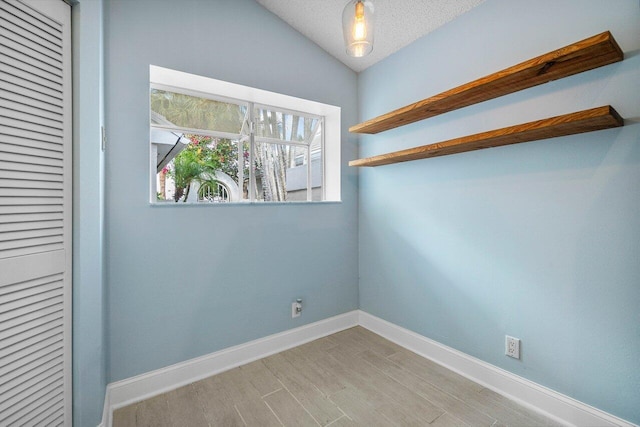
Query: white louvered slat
{"points": [[29, 75], [19, 353], [16, 51], [20, 356], [25, 18], [17, 391], [22, 183], [40, 371], [12, 96], [30, 167], [30, 192], [22, 295], [27, 31], [22, 239], [32, 73], [26, 89], [19, 368], [30, 217], [9, 133], [47, 279], [29, 205], [12, 133], [25, 343], [34, 249], [27, 183], [29, 151], [35, 177], [11, 54], [46, 407], [21, 346], [32, 209], [19, 47], [29, 325], [50, 407], [26, 201], [18, 300], [48, 307], [41, 398], [29, 94], [26, 114], [28, 14], [48, 417], [40, 228], [34, 239], [25, 351], [25, 313], [29, 212], [10, 157], [32, 45], [52, 358], [29, 176], [10, 80], [32, 143], [32, 355], [34, 371], [49, 150], [33, 245], [29, 78], [46, 241], [26, 177], [49, 383], [38, 126], [30, 225]]}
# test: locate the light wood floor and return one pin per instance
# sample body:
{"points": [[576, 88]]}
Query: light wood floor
{"points": [[354, 377]]}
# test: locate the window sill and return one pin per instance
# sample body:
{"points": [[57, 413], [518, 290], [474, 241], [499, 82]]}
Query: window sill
{"points": [[252, 204]]}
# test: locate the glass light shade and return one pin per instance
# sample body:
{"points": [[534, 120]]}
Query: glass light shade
{"points": [[357, 27]]}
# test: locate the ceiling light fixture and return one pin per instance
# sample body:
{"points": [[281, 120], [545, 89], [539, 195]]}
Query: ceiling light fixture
{"points": [[357, 27]]}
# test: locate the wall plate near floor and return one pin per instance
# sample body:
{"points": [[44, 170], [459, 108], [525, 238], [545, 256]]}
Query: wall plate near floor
{"points": [[512, 347], [296, 308]]}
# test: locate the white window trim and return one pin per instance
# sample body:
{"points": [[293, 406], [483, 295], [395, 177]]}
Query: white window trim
{"points": [[218, 88]]}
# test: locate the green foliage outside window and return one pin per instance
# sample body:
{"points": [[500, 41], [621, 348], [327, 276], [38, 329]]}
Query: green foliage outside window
{"points": [[205, 154]]}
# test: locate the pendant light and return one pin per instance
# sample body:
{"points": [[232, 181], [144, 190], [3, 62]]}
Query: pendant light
{"points": [[357, 27]]}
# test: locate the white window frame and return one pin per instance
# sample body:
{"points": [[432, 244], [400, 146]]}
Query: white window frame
{"points": [[182, 82]]}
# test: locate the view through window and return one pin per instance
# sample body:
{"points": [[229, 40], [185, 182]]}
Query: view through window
{"points": [[212, 148]]}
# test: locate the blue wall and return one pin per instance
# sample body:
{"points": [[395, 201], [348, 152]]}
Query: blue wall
{"points": [[184, 282], [540, 240], [89, 302]]}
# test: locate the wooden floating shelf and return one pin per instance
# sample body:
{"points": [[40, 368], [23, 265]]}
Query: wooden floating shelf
{"points": [[579, 122], [594, 52]]}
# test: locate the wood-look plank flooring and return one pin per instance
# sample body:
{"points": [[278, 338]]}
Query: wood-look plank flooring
{"points": [[351, 378]]}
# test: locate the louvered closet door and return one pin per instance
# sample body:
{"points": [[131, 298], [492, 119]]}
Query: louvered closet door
{"points": [[35, 213]]}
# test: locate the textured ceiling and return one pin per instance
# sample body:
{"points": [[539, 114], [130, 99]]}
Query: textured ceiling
{"points": [[398, 23]]}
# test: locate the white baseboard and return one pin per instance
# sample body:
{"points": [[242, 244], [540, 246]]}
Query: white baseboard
{"points": [[106, 410], [555, 405], [141, 387]]}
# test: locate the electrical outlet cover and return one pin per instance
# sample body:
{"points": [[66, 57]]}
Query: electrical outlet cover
{"points": [[512, 347], [294, 310]]}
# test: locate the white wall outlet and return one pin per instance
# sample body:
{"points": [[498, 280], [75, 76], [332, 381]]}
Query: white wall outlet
{"points": [[512, 347], [296, 308]]}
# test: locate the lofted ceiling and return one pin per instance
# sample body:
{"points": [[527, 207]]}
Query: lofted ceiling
{"points": [[398, 23]]}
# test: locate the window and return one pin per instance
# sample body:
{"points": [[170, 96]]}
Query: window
{"points": [[218, 142]]}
